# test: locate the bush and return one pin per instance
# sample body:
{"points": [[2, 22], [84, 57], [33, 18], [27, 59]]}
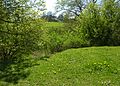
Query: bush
{"points": [[18, 39], [19, 28]]}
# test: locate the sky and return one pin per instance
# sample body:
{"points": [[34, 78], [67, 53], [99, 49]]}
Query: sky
{"points": [[50, 4]]}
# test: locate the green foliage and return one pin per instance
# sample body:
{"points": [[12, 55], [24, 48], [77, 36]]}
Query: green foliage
{"points": [[111, 15], [51, 38], [18, 31], [18, 39], [90, 25], [100, 25], [97, 25], [58, 36]]}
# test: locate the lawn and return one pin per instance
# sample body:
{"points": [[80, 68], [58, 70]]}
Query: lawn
{"points": [[91, 66]]}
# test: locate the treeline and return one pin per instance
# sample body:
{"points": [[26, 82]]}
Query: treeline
{"points": [[22, 31], [98, 24]]}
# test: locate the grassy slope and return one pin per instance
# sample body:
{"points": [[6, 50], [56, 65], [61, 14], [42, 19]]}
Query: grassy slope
{"points": [[95, 66]]}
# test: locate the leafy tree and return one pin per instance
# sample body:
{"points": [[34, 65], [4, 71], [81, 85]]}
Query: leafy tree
{"points": [[73, 7], [18, 31], [99, 25], [90, 27], [110, 13]]}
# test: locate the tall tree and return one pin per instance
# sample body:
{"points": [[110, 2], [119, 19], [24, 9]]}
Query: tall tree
{"points": [[100, 25], [74, 7], [110, 14]]}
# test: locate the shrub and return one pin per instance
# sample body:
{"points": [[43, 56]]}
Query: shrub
{"points": [[100, 25], [18, 39]]}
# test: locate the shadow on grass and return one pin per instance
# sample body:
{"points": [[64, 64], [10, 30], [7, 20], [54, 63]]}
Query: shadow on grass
{"points": [[45, 58], [13, 71]]}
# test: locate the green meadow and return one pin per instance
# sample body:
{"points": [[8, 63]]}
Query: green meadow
{"points": [[91, 66]]}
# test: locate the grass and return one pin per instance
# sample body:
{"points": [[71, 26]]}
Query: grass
{"points": [[93, 66], [52, 24]]}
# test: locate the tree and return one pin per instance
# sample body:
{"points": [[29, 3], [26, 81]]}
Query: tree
{"points": [[91, 25], [99, 25], [19, 34], [73, 7], [50, 17], [61, 17], [110, 14]]}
